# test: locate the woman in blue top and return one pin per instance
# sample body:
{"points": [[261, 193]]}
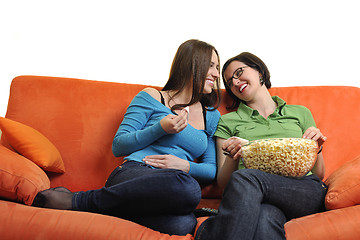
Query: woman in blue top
{"points": [[162, 133], [257, 204]]}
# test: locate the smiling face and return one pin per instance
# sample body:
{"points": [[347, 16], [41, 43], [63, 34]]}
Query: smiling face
{"points": [[213, 74], [245, 87]]}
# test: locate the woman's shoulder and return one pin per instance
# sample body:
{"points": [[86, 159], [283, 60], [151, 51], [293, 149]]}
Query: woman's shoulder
{"points": [[212, 115], [212, 119], [297, 108], [146, 97], [230, 115], [152, 92], [298, 111]]}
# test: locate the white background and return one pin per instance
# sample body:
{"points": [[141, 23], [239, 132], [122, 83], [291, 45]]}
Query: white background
{"points": [[308, 42]]}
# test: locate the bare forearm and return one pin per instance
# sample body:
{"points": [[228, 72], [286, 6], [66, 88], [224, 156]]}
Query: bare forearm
{"points": [[226, 170], [319, 167]]}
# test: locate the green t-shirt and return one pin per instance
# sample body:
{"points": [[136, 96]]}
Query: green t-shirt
{"points": [[247, 123]]}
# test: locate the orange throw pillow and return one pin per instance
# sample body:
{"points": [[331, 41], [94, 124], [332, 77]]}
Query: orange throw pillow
{"points": [[344, 186], [20, 179], [33, 145]]}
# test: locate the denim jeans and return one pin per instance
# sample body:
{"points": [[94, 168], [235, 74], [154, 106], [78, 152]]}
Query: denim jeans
{"points": [[256, 205], [161, 199]]}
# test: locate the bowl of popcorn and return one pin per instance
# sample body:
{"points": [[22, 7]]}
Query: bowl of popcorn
{"points": [[290, 157]]}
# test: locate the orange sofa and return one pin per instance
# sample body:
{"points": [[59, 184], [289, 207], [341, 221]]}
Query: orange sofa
{"points": [[58, 132]]}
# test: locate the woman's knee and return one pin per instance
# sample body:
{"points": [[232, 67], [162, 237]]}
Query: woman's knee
{"points": [[191, 188], [186, 191]]}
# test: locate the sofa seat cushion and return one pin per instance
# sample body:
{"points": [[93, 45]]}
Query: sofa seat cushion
{"points": [[344, 186], [25, 222], [32, 144], [20, 179]]}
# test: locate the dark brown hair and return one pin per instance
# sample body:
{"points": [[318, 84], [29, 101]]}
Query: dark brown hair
{"points": [[192, 61], [255, 63]]}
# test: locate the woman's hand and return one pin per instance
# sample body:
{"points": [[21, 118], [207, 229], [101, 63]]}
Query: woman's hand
{"points": [[319, 167], [228, 163], [314, 133], [232, 147], [174, 123], [167, 161]]}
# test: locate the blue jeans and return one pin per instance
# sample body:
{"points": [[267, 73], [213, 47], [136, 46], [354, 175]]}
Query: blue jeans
{"points": [[161, 199], [256, 205]]}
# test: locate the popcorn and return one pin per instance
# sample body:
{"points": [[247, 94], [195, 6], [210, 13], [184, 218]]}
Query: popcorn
{"points": [[187, 109], [291, 157]]}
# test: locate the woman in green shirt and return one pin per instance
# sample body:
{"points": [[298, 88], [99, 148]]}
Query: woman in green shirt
{"points": [[256, 204]]}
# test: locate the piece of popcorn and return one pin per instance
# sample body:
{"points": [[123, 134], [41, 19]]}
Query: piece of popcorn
{"points": [[292, 157], [187, 109]]}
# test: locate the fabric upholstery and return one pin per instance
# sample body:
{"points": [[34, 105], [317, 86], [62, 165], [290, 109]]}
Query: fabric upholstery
{"points": [[79, 117], [344, 186], [20, 179], [33, 145], [332, 225], [44, 224]]}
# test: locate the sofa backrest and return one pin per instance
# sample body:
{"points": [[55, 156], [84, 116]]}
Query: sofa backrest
{"points": [[81, 117]]}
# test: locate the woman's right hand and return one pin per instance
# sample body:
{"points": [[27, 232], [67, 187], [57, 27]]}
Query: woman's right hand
{"points": [[174, 123], [315, 134], [232, 147]]}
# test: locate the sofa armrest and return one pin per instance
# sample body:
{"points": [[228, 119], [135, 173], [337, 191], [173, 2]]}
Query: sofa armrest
{"points": [[336, 224]]}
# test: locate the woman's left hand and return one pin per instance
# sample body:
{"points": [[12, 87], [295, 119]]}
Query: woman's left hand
{"points": [[314, 133], [167, 161]]}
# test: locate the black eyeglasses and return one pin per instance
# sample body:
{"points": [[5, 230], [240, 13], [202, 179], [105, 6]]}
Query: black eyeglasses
{"points": [[237, 73]]}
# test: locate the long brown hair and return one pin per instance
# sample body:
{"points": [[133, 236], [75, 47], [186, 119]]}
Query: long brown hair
{"points": [[192, 61]]}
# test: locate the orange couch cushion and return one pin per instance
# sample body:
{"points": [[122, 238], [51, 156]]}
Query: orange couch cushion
{"points": [[336, 224], [22, 222], [20, 179], [79, 117], [33, 145], [344, 186]]}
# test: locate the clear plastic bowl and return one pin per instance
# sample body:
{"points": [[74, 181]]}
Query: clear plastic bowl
{"points": [[290, 157]]}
